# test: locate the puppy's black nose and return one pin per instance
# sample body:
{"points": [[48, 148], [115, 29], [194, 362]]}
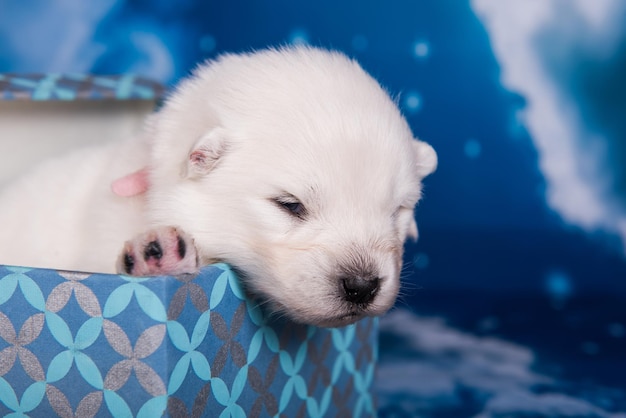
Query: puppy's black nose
{"points": [[359, 289]]}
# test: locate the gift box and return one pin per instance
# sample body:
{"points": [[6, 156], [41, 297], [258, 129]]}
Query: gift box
{"points": [[82, 344]]}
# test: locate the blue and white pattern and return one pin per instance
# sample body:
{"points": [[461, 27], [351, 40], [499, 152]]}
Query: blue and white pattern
{"points": [[65, 87], [103, 345]]}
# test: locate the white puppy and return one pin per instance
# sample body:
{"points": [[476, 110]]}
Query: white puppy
{"points": [[292, 165]]}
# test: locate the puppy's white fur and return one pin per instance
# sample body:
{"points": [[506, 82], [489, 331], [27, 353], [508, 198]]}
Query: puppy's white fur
{"points": [[299, 123]]}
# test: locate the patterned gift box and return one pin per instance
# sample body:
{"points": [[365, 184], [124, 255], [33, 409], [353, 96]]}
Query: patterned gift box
{"points": [[79, 344], [76, 344], [61, 87]]}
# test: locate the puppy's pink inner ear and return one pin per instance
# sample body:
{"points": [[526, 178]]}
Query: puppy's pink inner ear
{"points": [[202, 159], [131, 184], [206, 154]]}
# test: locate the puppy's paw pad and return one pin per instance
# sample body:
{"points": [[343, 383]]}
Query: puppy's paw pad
{"points": [[165, 250]]}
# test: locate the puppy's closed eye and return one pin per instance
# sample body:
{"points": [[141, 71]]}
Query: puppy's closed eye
{"points": [[291, 205]]}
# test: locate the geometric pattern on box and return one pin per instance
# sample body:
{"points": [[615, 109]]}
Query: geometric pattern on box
{"points": [[62, 87], [76, 344]]}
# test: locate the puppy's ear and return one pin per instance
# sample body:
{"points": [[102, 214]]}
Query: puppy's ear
{"points": [[412, 232], [131, 184], [426, 158], [205, 154]]}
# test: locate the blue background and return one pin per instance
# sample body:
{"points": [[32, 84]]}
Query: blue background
{"points": [[497, 256]]}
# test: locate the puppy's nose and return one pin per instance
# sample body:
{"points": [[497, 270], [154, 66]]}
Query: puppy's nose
{"points": [[359, 289]]}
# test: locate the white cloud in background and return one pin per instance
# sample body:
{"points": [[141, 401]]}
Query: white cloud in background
{"points": [[60, 36], [434, 364], [54, 35], [572, 159], [159, 64]]}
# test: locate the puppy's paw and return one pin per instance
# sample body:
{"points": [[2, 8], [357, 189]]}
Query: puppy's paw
{"points": [[161, 251]]}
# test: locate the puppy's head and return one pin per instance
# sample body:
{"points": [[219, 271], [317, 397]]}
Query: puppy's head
{"points": [[295, 167]]}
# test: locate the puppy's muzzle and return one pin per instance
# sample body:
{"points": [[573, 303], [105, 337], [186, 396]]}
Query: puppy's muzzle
{"points": [[359, 290]]}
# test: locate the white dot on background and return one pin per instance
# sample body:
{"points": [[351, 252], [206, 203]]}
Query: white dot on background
{"points": [[207, 43], [412, 101], [421, 261], [472, 148], [299, 37], [359, 43], [558, 285], [616, 330], [488, 324], [591, 348], [421, 49]]}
